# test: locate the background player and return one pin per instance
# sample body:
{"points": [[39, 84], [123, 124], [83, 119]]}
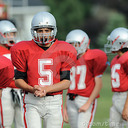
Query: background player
{"points": [[43, 70], [11, 97], [6, 73], [118, 43], [86, 81]]}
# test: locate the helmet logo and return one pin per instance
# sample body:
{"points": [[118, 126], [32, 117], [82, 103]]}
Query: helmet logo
{"points": [[82, 41], [115, 40]]}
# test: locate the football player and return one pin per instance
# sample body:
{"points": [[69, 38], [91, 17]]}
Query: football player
{"points": [[118, 43], [43, 72], [6, 73], [11, 97], [86, 81]]}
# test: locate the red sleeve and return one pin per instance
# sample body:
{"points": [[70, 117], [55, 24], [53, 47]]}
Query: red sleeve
{"points": [[124, 62], [100, 64], [68, 60], [19, 59], [6, 73]]}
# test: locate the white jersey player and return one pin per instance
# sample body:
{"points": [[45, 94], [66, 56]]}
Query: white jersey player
{"points": [[11, 101], [86, 81], [118, 43]]}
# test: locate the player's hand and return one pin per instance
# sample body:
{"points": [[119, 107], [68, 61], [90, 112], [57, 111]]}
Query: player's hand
{"points": [[84, 108], [125, 114], [65, 115], [39, 91]]}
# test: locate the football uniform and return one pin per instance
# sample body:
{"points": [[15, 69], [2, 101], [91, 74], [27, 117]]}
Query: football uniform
{"points": [[7, 72], [119, 84], [43, 68], [11, 101], [90, 65]]}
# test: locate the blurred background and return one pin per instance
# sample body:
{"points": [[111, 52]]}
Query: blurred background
{"points": [[96, 17]]}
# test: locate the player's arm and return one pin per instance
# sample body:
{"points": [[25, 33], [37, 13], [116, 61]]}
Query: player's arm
{"points": [[65, 115], [125, 110], [62, 85], [94, 94], [20, 81], [42, 91]]}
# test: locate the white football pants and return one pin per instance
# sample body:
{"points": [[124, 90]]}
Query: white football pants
{"points": [[48, 108], [116, 120], [82, 119], [10, 112]]}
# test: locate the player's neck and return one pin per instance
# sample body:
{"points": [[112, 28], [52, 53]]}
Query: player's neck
{"points": [[78, 56], [43, 45], [120, 53]]}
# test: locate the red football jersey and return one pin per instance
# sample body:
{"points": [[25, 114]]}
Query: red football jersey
{"points": [[5, 52], [93, 63], [43, 67], [119, 73], [6, 72]]}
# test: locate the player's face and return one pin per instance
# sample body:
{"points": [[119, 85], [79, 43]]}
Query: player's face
{"points": [[75, 44], [10, 37], [44, 34], [43, 30]]}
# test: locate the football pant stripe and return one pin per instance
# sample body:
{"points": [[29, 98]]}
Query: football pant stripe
{"points": [[92, 113], [2, 121]]}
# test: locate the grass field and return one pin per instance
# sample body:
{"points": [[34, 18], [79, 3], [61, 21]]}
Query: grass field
{"points": [[104, 104]]}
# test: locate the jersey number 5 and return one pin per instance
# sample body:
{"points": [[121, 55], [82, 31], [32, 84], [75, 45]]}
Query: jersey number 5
{"points": [[46, 74], [79, 70], [115, 76]]}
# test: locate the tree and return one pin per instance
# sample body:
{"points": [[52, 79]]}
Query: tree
{"points": [[69, 14], [115, 20]]}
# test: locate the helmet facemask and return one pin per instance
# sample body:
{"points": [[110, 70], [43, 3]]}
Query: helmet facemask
{"points": [[8, 38], [43, 38], [80, 47]]}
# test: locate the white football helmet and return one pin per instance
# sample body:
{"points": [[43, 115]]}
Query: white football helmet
{"points": [[117, 40], [43, 20], [79, 39], [7, 33]]}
